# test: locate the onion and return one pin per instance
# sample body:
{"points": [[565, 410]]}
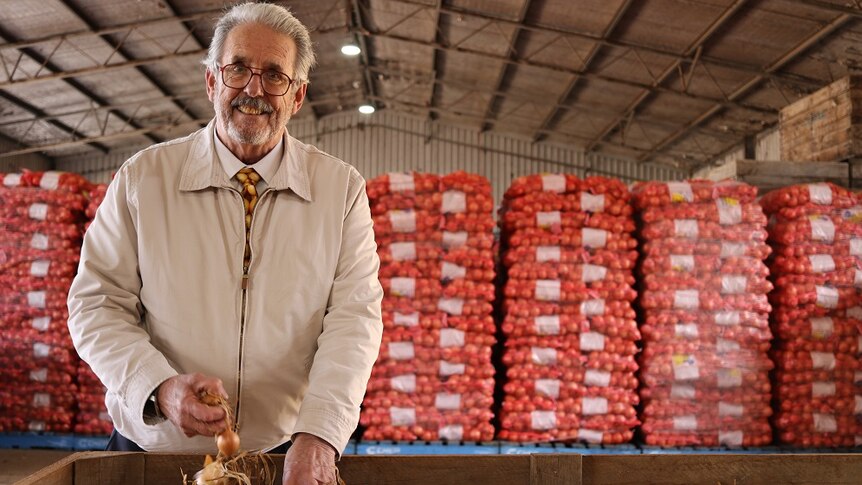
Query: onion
{"points": [[227, 442]]}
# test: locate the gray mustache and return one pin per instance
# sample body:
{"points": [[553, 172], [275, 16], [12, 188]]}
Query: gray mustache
{"points": [[254, 103]]}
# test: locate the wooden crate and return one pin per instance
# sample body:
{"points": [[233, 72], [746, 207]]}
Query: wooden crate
{"points": [[570, 469], [767, 175], [826, 125]]}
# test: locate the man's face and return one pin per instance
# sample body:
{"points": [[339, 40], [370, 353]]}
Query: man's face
{"points": [[250, 117]]}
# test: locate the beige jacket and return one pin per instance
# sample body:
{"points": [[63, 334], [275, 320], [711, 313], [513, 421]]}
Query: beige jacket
{"points": [[159, 292]]}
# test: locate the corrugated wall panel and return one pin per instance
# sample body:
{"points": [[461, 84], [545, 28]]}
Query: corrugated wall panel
{"points": [[388, 141]]}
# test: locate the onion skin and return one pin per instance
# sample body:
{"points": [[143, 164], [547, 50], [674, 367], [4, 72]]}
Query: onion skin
{"points": [[227, 442]]}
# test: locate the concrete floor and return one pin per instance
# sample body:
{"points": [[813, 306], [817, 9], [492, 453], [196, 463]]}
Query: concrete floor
{"points": [[17, 464]]}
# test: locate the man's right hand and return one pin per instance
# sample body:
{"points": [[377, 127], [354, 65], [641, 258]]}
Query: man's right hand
{"points": [[178, 401]]}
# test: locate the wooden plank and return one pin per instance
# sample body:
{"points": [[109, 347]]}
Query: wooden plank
{"points": [[169, 467], [555, 469], [436, 470], [768, 175], [805, 104], [827, 469], [110, 468], [59, 473]]}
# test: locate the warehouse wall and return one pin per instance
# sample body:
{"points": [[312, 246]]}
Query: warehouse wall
{"points": [[388, 141], [31, 161]]}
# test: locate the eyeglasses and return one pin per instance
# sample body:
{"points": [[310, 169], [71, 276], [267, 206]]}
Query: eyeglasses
{"points": [[238, 75]]}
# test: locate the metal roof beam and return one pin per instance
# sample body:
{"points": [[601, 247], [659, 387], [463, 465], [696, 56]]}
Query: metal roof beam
{"points": [[437, 66], [358, 22], [782, 61]]}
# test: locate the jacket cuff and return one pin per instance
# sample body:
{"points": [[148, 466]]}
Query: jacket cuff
{"points": [[140, 385], [331, 426]]}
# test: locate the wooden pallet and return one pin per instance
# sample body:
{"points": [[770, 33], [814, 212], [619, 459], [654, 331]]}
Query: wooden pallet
{"points": [[768, 175]]}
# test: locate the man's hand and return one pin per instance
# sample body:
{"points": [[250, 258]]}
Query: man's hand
{"points": [[178, 401], [309, 461]]}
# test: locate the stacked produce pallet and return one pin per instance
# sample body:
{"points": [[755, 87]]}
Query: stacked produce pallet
{"points": [[41, 217], [816, 232], [434, 378], [569, 325], [705, 363]]}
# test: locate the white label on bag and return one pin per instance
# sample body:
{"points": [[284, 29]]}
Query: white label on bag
{"points": [[732, 250], [854, 312], [822, 327], [40, 350], [594, 405], [827, 297], [451, 337], [594, 238], [451, 271], [590, 436], [686, 228], [39, 241], [39, 375], [685, 330], [403, 251], [454, 202], [733, 284], [685, 368], [543, 420], [452, 306], [682, 391], [729, 211], [406, 319], [822, 229], [447, 402], [727, 319], [682, 263], [543, 355], [685, 423], [38, 211], [547, 253], [40, 268], [592, 203], [822, 360], [597, 378], [12, 179], [821, 389], [592, 308], [820, 194], [403, 221], [730, 409], [41, 400], [548, 324], [856, 247], [450, 369], [401, 182], [403, 287], [402, 416], [40, 323], [36, 299], [548, 387], [825, 423], [401, 350], [730, 438], [548, 290], [50, 180], [554, 183], [724, 345], [686, 299], [592, 342], [404, 383], [821, 263], [36, 426], [451, 432], [454, 240], [729, 378], [858, 408], [591, 273], [548, 219], [680, 192]]}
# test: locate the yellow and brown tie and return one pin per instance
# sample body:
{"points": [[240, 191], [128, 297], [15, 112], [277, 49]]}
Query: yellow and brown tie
{"points": [[248, 178]]}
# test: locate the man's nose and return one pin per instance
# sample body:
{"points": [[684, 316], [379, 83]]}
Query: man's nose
{"points": [[254, 88]]}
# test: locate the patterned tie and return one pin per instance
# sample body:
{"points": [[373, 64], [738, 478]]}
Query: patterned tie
{"points": [[248, 178]]}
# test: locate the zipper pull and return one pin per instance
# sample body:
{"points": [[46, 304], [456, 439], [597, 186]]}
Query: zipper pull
{"points": [[245, 281]]}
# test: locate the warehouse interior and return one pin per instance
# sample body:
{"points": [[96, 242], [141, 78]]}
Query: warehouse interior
{"points": [[591, 114]]}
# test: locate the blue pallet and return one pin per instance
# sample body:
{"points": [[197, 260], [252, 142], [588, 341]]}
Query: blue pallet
{"points": [[425, 448], [350, 449], [53, 441]]}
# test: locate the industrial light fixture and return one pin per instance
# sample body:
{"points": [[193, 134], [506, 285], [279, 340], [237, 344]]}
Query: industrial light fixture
{"points": [[350, 50], [366, 109]]}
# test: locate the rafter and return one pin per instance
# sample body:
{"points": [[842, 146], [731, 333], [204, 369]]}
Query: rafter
{"points": [[437, 66], [358, 22]]}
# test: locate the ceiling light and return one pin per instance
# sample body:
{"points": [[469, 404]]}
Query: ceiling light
{"points": [[350, 50], [366, 109]]}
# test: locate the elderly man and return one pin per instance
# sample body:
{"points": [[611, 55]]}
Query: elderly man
{"points": [[236, 261]]}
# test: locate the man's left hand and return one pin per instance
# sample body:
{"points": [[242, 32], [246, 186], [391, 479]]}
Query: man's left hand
{"points": [[309, 461]]}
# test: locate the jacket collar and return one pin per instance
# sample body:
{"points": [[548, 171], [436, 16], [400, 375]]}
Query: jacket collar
{"points": [[201, 169]]}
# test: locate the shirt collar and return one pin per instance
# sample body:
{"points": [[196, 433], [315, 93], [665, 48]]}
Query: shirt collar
{"points": [[265, 167]]}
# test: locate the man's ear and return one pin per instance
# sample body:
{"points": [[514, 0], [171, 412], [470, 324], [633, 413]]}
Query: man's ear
{"points": [[299, 97], [211, 80]]}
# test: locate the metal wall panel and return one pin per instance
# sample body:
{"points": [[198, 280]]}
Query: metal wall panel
{"points": [[388, 142], [769, 145]]}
